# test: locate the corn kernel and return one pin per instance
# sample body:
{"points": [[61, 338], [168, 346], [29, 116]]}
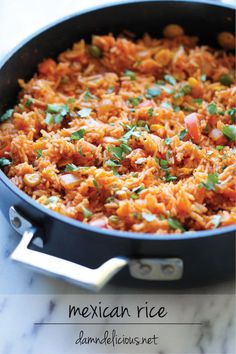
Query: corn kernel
{"points": [[172, 31], [155, 127], [226, 40], [163, 57], [32, 179], [193, 82]]}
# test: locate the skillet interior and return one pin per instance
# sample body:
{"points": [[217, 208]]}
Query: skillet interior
{"points": [[204, 20]]}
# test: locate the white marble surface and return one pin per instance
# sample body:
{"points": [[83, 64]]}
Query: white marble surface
{"points": [[27, 297]]}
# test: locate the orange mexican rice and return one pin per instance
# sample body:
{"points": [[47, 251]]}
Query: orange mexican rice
{"points": [[135, 135]]}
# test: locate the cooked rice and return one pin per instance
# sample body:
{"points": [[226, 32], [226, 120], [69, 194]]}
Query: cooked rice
{"points": [[133, 163]]}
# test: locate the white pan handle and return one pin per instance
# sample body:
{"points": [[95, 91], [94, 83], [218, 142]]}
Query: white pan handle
{"points": [[92, 279], [154, 269]]}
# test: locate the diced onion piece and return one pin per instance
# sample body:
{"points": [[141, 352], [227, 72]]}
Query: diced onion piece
{"points": [[192, 125], [216, 135], [101, 222], [69, 181], [110, 139], [32, 179], [146, 103]]}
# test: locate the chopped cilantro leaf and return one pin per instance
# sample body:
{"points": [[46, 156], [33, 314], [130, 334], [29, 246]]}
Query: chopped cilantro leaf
{"points": [[79, 134], [112, 163], [6, 115], [29, 102], [95, 51], [39, 153], [167, 141], [70, 167], [226, 80], [150, 112], [212, 109], [198, 100], [183, 134], [130, 74], [4, 162], [134, 101], [219, 147], [175, 224], [170, 79], [229, 132], [87, 213], [95, 183], [88, 95], [232, 113], [153, 92], [49, 119], [212, 180]]}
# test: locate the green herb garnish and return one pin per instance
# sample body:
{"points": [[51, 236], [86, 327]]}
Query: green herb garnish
{"points": [[198, 100], [49, 119], [79, 134], [229, 132], [88, 95], [212, 181], [170, 79], [71, 167], [183, 134], [87, 213], [71, 100], [4, 162], [186, 89], [95, 183], [150, 112], [226, 80], [29, 102], [153, 92], [175, 224], [39, 153], [212, 109], [219, 147], [6, 115], [134, 101], [130, 74], [137, 190], [163, 164], [95, 51], [232, 113], [112, 163], [167, 141]]}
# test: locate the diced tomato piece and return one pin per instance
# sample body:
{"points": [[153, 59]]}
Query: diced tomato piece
{"points": [[193, 127]]}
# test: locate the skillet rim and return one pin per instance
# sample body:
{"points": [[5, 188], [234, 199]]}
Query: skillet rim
{"points": [[73, 222]]}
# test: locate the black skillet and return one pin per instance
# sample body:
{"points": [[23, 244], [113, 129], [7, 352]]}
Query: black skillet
{"points": [[59, 244]]}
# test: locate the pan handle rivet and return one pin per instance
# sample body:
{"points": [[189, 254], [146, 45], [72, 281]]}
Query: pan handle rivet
{"points": [[167, 269], [16, 222], [145, 269]]}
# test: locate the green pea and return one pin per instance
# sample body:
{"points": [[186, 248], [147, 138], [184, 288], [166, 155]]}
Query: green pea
{"points": [[95, 51]]}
